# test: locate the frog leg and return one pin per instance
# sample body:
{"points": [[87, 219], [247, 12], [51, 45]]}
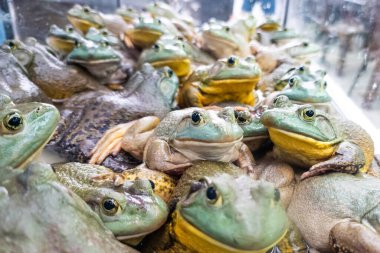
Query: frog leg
{"points": [[246, 161], [353, 237], [348, 158], [190, 96], [159, 156], [112, 140]]}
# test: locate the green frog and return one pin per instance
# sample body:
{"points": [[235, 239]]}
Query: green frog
{"points": [[316, 141], [211, 203], [219, 39], [304, 72], [192, 134], [61, 40], [15, 83], [129, 14], [130, 210], [304, 51], [229, 79], [24, 131], [245, 26], [283, 36], [86, 117], [346, 208], [49, 217], [54, 77], [83, 17], [145, 31]]}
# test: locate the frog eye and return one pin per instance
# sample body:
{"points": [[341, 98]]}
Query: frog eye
{"points": [[86, 9], [308, 114], [11, 45], [156, 47], [196, 117], [110, 206], [104, 43], [242, 117], [305, 44], [324, 84], [293, 81], [13, 121], [227, 29], [78, 44], [213, 196], [130, 9], [170, 73], [158, 21], [301, 69], [231, 61], [152, 184], [105, 33], [69, 29]]}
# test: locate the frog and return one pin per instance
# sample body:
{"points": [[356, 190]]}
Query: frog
{"points": [[145, 31], [304, 72], [351, 225], [61, 40], [218, 38], [86, 117], [217, 196], [15, 83], [284, 36], [228, 79], [316, 141], [130, 210], [304, 51], [24, 131], [245, 26], [57, 80], [100, 59], [49, 217], [127, 13], [180, 138], [83, 17]]}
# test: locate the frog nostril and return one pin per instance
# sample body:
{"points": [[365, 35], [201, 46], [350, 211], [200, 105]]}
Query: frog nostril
{"points": [[277, 195]]}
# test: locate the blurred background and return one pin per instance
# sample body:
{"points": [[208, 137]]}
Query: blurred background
{"points": [[347, 30]]}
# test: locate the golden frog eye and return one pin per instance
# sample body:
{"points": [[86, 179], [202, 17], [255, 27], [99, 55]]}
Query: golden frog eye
{"points": [[213, 196], [110, 206], [308, 114], [13, 121]]}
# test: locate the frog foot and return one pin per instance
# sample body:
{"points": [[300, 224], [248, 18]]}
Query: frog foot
{"points": [[353, 237], [348, 158], [110, 143]]}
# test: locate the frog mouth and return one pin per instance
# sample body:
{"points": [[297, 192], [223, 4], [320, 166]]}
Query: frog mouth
{"points": [[95, 62], [180, 66], [195, 239]]}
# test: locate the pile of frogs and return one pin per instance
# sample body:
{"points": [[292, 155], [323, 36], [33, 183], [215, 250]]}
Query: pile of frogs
{"points": [[179, 138]]}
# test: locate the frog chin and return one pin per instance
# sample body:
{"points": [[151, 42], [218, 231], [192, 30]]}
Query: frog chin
{"points": [[212, 151]]}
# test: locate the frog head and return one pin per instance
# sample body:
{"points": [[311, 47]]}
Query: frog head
{"points": [[169, 51], [232, 74], [300, 91], [249, 209], [101, 35], [161, 9], [304, 50], [63, 40], [146, 31], [129, 211], [100, 59], [128, 14], [168, 84], [83, 17], [24, 130], [23, 55], [283, 36], [301, 128]]}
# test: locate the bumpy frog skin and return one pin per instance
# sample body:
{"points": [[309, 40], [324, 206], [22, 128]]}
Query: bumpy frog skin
{"points": [[146, 31], [346, 208], [214, 203], [63, 40], [53, 76], [194, 134], [24, 130], [168, 52], [308, 138], [129, 210], [49, 217], [230, 79], [219, 39], [83, 17], [14, 81], [99, 59], [85, 118]]}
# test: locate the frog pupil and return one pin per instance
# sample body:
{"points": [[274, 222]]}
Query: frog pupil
{"points": [[15, 121], [211, 193], [196, 117], [236, 114], [231, 61], [109, 204], [155, 46], [170, 73], [152, 184], [11, 44], [241, 119], [301, 68], [309, 113]]}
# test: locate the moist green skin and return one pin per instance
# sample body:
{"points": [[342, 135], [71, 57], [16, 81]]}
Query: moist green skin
{"points": [[303, 72], [54, 77], [166, 48], [255, 202], [338, 197], [285, 34], [155, 24], [66, 34], [100, 35], [141, 211], [49, 217], [39, 123], [86, 117], [303, 50], [14, 81], [79, 12]]}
